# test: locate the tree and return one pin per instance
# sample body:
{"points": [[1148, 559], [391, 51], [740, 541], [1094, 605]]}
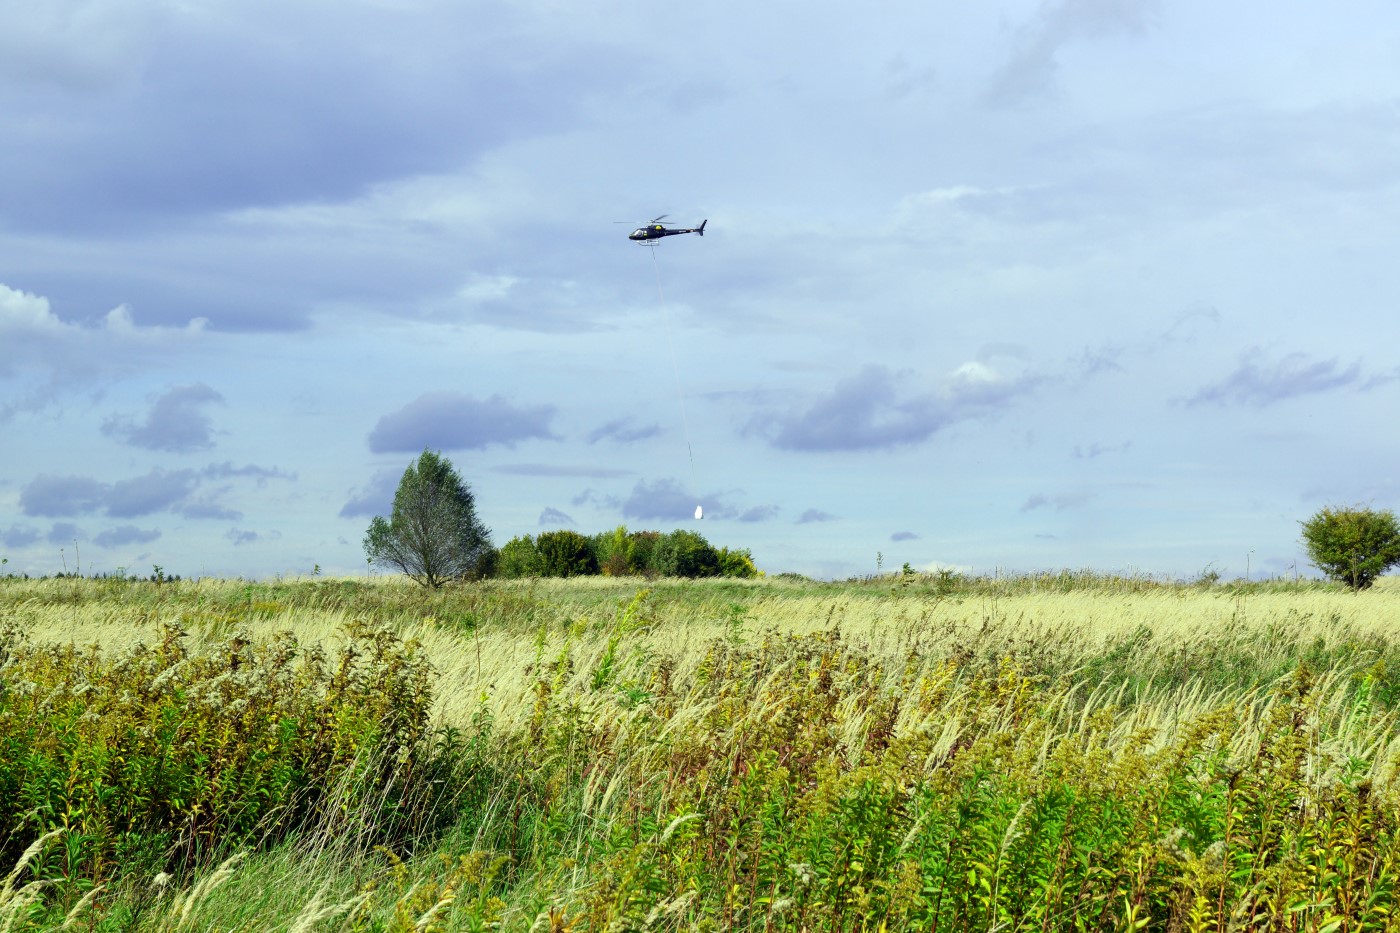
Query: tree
{"points": [[518, 558], [1353, 545], [434, 534], [613, 551], [736, 563], [565, 553], [685, 554]]}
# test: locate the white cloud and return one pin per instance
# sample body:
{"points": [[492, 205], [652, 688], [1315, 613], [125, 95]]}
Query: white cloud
{"points": [[57, 356]]}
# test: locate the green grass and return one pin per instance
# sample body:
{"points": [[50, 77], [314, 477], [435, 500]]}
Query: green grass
{"points": [[1058, 752]]}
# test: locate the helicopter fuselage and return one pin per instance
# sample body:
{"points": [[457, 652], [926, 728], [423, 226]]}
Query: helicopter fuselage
{"points": [[656, 231]]}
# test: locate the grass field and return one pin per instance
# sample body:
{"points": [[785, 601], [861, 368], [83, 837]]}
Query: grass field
{"points": [[1058, 752]]}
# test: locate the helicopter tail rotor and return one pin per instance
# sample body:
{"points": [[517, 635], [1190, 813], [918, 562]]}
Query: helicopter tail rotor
{"points": [[701, 229]]}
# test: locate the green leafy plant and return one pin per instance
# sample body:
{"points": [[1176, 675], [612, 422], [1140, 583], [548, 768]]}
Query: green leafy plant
{"points": [[685, 554], [159, 758], [565, 553], [433, 534], [1353, 545], [519, 557], [736, 563]]}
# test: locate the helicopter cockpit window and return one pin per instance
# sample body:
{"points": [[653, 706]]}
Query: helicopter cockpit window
{"points": [[639, 232]]}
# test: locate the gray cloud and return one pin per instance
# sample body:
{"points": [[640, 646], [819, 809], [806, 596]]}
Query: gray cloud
{"points": [[552, 516], [554, 469], [125, 534], [73, 45], [861, 412], [64, 533], [621, 431], [1058, 502], [174, 423], [17, 536], [866, 411], [453, 421], [374, 498], [234, 112], [666, 500], [904, 536], [759, 513], [227, 470], [1259, 383], [1031, 70], [590, 497], [53, 496], [815, 515], [157, 491], [241, 536]]}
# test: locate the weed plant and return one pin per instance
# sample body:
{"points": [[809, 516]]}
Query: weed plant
{"points": [[156, 759], [1052, 754]]}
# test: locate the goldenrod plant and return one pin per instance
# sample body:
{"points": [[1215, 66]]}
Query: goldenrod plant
{"points": [[1051, 752]]}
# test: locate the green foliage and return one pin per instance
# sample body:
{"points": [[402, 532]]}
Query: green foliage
{"points": [[1353, 545], [613, 552], [161, 758], [433, 534], [685, 554], [642, 547], [518, 558], [565, 553], [619, 553], [976, 797], [736, 563], [643, 776]]}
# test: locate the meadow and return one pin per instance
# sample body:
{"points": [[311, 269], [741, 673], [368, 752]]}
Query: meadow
{"points": [[909, 752]]}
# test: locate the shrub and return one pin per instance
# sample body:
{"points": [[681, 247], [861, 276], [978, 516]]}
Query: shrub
{"points": [[1353, 545], [736, 563], [518, 558], [565, 553], [685, 554], [641, 551], [162, 758], [612, 550]]}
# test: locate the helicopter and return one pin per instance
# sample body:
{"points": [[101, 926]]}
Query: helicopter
{"points": [[654, 229]]}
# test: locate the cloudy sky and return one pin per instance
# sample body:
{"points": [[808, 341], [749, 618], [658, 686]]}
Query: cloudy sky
{"points": [[1021, 285]]}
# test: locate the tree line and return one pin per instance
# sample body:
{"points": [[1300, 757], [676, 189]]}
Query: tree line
{"points": [[433, 535]]}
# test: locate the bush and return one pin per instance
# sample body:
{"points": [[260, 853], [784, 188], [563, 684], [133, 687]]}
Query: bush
{"points": [[641, 552], [612, 551], [518, 558], [685, 554], [163, 758], [565, 553], [736, 563], [1353, 545], [619, 553]]}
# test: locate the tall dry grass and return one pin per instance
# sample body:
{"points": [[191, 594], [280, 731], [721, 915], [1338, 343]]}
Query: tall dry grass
{"points": [[1034, 754]]}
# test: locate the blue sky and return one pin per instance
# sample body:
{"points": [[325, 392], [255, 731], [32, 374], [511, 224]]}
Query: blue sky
{"points": [[1028, 285]]}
